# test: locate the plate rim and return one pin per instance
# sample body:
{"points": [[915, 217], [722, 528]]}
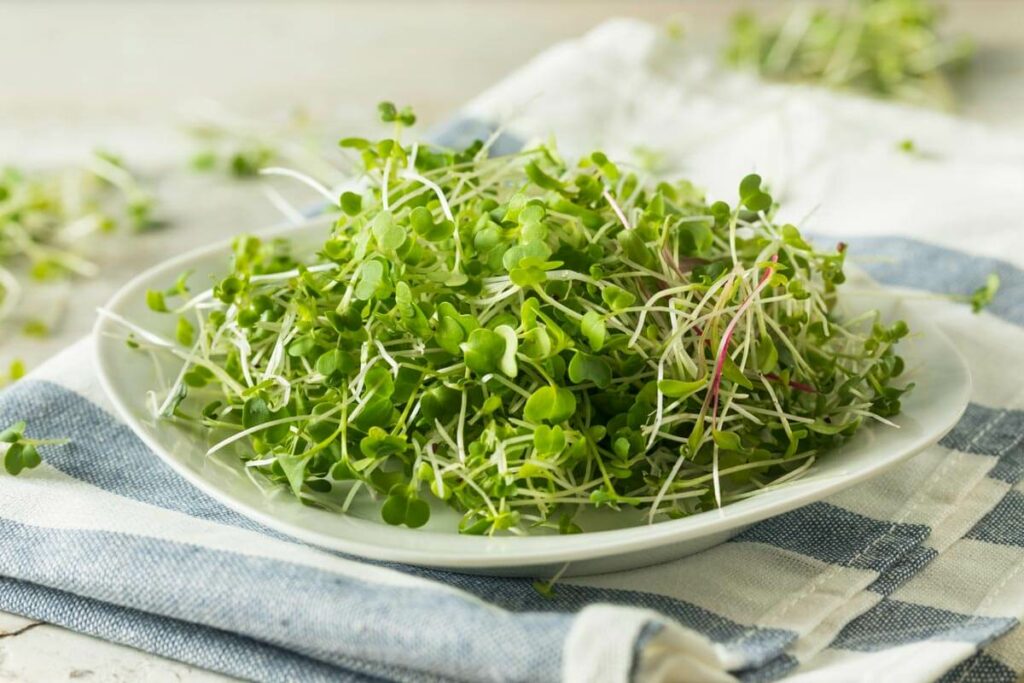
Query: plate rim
{"points": [[529, 550]]}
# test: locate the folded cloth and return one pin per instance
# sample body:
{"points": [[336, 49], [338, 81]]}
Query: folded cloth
{"points": [[913, 576]]}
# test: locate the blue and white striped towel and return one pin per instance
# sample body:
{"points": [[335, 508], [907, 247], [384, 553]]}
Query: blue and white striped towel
{"points": [[914, 576]]}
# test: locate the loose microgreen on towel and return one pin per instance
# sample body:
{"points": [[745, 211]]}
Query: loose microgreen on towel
{"points": [[889, 48], [523, 338], [20, 453]]}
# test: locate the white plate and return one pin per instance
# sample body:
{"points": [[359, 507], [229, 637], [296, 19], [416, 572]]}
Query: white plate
{"points": [[929, 411]]}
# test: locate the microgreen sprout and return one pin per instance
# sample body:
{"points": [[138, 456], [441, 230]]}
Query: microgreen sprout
{"points": [[984, 295], [229, 144], [889, 48], [19, 452], [46, 218], [15, 371], [522, 338]]}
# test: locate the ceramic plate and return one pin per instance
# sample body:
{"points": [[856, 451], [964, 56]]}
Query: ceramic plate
{"points": [[619, 540]]}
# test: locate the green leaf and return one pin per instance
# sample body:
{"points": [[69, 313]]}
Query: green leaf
{"points": [[767, 355], [388, 234], [372, 281], [729, 441], [184, 333], [417, 513], [593, 328], [155, 300], [30, 457], [351, 203], [791, 237], [377, 412], [732, 372], [439, 402], [587, 368], [533, 253], [751, 194], [378, 381], [13, 433], [821, 427], [12, 459], [540, 178], [527, 277], [675, 388], [387, 111], [255, 412], [484, 351], [394, 509], [617, 298], [330, 362], [508, 363], [379, 444], [635, 249], [550, 404], [548, 440], [693, 442], [423, 224], [294, 468], [984, 295]]}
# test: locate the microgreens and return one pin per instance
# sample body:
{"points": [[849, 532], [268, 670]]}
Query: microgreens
{"points": [[523, 338], [15, 371], [890, 48], [19, 452], [984, 295], [46, 217], [241, 149]]}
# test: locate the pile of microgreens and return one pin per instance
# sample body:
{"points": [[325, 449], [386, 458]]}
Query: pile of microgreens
{"points": [[47, 216], [890, 48], [524, 338]]}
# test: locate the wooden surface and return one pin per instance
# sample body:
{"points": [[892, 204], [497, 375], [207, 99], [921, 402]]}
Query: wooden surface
{"points": [[118, 74]]}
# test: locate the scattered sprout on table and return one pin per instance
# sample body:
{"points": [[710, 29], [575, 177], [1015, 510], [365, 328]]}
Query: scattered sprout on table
{"points": [[241, 148], [889, 48], [15, 371], [48, 217], [524, 338]]}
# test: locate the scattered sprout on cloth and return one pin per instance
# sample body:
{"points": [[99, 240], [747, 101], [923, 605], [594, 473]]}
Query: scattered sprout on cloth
{"points": [[47, 218], [889, 48], [525, 338], [19, 452]]}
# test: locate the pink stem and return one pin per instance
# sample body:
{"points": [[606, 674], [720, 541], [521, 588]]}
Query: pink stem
{"points": [[723, 346], [799, 386]]}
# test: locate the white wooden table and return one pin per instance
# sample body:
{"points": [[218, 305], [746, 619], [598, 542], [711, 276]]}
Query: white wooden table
{"points": [[77, 76]]}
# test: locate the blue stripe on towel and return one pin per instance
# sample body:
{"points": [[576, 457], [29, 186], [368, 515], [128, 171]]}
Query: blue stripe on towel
{"points": [[194, 644], [992, 431], [770, 671], [892, 622], [1004, 524], [836, 535], [908, 566], [980, 668], [317, 613]]}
